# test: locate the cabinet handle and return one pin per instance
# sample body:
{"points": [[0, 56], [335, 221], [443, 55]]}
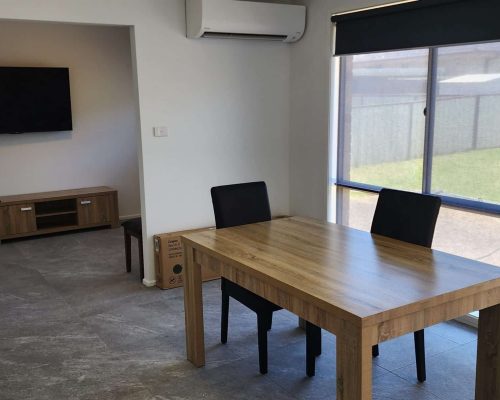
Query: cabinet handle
{"points": [[26, 209], [85, 202]]}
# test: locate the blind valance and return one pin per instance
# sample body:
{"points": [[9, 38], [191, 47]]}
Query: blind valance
{"points": [[424, 23]]}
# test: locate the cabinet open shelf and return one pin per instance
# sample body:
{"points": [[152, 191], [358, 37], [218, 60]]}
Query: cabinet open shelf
{"points": [[55, 207], [51, 214], [55, 213], [56, 220]]}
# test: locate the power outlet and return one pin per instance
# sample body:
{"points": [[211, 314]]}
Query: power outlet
{"points": [[160, 131]]}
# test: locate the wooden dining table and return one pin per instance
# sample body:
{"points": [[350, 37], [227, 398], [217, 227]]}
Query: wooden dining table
{"points": [[363, 288]]}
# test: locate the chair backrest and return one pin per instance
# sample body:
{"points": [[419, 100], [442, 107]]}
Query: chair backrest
{"points": [[406, 216], [240, 204]]}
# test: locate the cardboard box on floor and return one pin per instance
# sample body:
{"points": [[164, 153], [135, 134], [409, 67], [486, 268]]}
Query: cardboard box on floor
{"points": [[169, 260]]}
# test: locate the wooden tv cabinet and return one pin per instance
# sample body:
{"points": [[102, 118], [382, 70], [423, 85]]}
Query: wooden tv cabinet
{"points": [[50, 212]]}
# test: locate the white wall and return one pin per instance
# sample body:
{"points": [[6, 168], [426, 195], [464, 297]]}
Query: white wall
{"points": [[102, 149], [225, 102], [310, 108]]}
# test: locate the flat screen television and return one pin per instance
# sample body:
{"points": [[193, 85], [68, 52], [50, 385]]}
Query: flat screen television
{"points": [[34, 100]]}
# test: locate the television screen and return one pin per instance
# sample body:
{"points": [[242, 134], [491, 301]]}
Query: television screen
{"points": [[34, 100]]}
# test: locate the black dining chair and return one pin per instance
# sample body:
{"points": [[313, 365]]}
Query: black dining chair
{"points": [[409, 217], [242, 204]]}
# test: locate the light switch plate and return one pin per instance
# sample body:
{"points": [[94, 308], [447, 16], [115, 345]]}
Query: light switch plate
{"points": [[160, 131]]}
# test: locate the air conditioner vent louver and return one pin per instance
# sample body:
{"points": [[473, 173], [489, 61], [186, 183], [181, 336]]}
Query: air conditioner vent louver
{"points": [[222, 35], [244, 20]]}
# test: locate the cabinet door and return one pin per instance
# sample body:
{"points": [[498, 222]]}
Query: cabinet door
{"points": [[94, 210], [6, 227], [17, 219], [24, 218]]}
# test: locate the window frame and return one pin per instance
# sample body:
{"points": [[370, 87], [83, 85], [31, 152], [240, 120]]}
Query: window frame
{"points": [[341, 183]]}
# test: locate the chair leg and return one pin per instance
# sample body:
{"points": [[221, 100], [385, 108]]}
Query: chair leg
{"points": [[375, 351], [314, 333], [224, 318], [128, 251], [262, 325], [420, 355], [141, 259], [270, 325], [317, 340], [313, 347]]}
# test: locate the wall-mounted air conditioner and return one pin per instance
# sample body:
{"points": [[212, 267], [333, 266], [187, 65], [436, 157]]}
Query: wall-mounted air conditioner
{"points": [[244, 20]]}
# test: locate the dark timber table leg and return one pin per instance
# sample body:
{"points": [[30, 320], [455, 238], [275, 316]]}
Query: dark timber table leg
{"points": [[488, 355]]}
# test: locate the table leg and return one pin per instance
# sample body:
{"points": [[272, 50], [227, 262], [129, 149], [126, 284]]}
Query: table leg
{"points": [[354, 365], [488, 355], [193, 309]]}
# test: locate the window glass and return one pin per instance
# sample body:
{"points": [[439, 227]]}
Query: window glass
{"points": [[382, 121], [357, 208], [466, 149], [468, 234], [463, 233]]}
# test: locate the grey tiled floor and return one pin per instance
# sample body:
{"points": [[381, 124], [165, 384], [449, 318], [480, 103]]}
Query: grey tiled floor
{"points": [[73, 325]]}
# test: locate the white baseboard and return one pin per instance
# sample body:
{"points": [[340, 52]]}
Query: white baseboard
{"points": [[127, 217], [148, 283]]}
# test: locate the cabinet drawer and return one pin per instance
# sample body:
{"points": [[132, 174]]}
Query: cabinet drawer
{"points": [[94, 210], [17, 219]]}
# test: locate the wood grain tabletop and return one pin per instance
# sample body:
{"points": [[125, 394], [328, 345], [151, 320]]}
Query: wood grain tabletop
{"points": [[365, 278]]}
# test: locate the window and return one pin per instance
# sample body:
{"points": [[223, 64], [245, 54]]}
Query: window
{"points": [[382, 121], [466, 140], [423, 120], [428, 121]]}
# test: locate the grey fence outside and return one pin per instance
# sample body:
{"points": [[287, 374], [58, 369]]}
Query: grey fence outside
{"points": [[462, 124]]}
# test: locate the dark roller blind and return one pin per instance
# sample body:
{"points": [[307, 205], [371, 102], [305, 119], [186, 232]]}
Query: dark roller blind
{"points": [[424, 23]]}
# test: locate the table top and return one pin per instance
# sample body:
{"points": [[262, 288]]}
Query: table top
{"points": [[365, 277]]}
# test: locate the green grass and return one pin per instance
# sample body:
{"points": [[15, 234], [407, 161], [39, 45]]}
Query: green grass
{"points": [[472, 174]]}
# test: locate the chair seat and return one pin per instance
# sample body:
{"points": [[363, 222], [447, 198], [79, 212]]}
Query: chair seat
{"points": [[133, 227]]}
